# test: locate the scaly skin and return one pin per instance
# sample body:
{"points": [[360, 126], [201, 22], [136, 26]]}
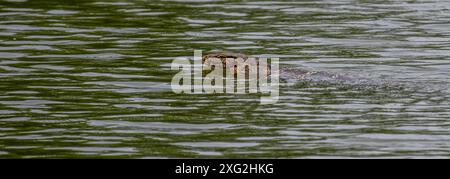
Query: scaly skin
{"points": [[227, 64], [294, 75], [288, 74]]}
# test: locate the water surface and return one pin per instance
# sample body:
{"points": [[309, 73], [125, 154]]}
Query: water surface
{"points": [[87, 79]]}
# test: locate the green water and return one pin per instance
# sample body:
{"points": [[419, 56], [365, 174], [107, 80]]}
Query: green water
{"points": [[91, 79]]}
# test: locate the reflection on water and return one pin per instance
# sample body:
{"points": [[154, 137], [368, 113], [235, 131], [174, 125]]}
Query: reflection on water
{"points": [[91, 79]]}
